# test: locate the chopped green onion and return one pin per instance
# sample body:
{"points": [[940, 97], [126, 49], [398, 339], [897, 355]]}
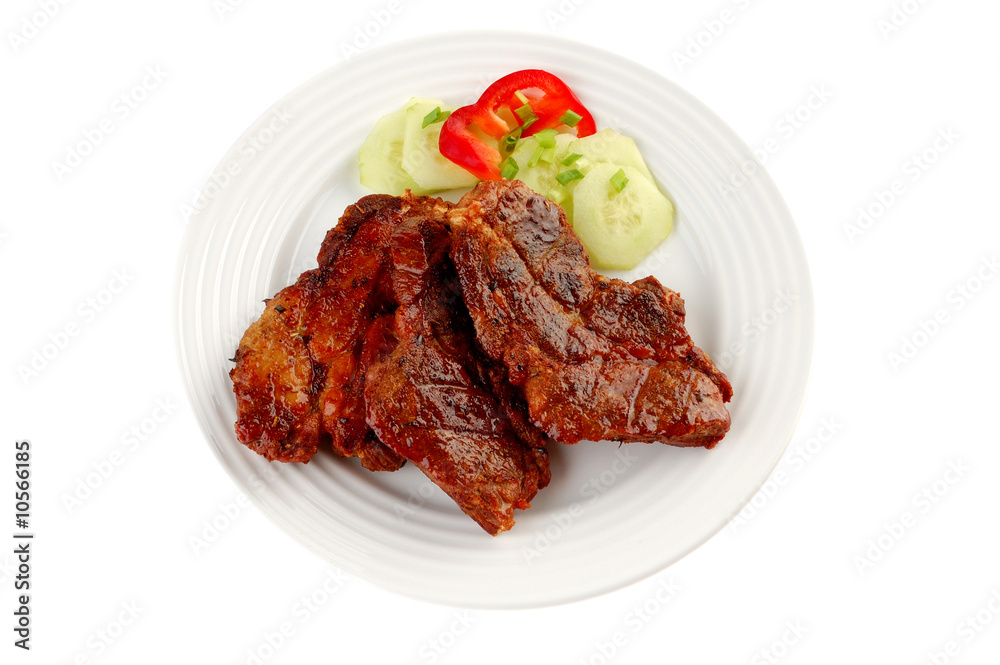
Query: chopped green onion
{"points": [[509, 141], [534, 158], [528, 123], [508, 169], [546, 138], [567, 177], [520, 97], [524, 112], [571, 158], [548, 155], [437, 115], [619, 180], [570, 118]]}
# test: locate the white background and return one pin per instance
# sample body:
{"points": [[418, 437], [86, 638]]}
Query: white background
{"points": [[870, 550]]}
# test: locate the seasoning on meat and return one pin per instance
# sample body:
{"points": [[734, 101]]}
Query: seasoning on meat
{"points": [[597, 358], [300, 368], [430, 400], [464, 339]]}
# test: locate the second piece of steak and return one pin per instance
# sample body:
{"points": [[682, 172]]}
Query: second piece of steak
{"points": [[597, 358]]}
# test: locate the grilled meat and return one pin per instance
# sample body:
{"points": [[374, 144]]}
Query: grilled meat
{"points": [[431, 399], [462, 338], [596, 358], [275, 380], [300, 369]]}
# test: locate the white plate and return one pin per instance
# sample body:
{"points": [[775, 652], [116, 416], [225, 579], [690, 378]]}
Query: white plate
{"points": [[612, 515]]}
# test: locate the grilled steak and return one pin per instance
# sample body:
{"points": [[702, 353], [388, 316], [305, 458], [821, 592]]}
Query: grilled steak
{"points": [[352, 330], [300, 368], [275, 380], [596, 358], [431, 400], [462, 338]]}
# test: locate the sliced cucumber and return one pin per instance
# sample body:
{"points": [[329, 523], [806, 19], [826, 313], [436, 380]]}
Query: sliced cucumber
{"points": [[620, 228], [381, 155], [609, 147], [542, 176], [422, 158]]}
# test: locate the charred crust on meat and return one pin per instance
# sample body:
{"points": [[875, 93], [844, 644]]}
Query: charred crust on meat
{"points": [[407, 349], [580, 357]]}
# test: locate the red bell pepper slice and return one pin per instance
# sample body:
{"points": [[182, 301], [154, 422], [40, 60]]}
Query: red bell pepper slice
{"points": [[549, 98]]}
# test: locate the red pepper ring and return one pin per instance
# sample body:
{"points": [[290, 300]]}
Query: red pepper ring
{"points": [[549, 98], [461, 146]]}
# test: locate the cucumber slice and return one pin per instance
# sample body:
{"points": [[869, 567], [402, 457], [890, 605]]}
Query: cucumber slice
{"points": [[620, 228], [609, 147], [422, 158], [381, 155], [542, 176]]}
